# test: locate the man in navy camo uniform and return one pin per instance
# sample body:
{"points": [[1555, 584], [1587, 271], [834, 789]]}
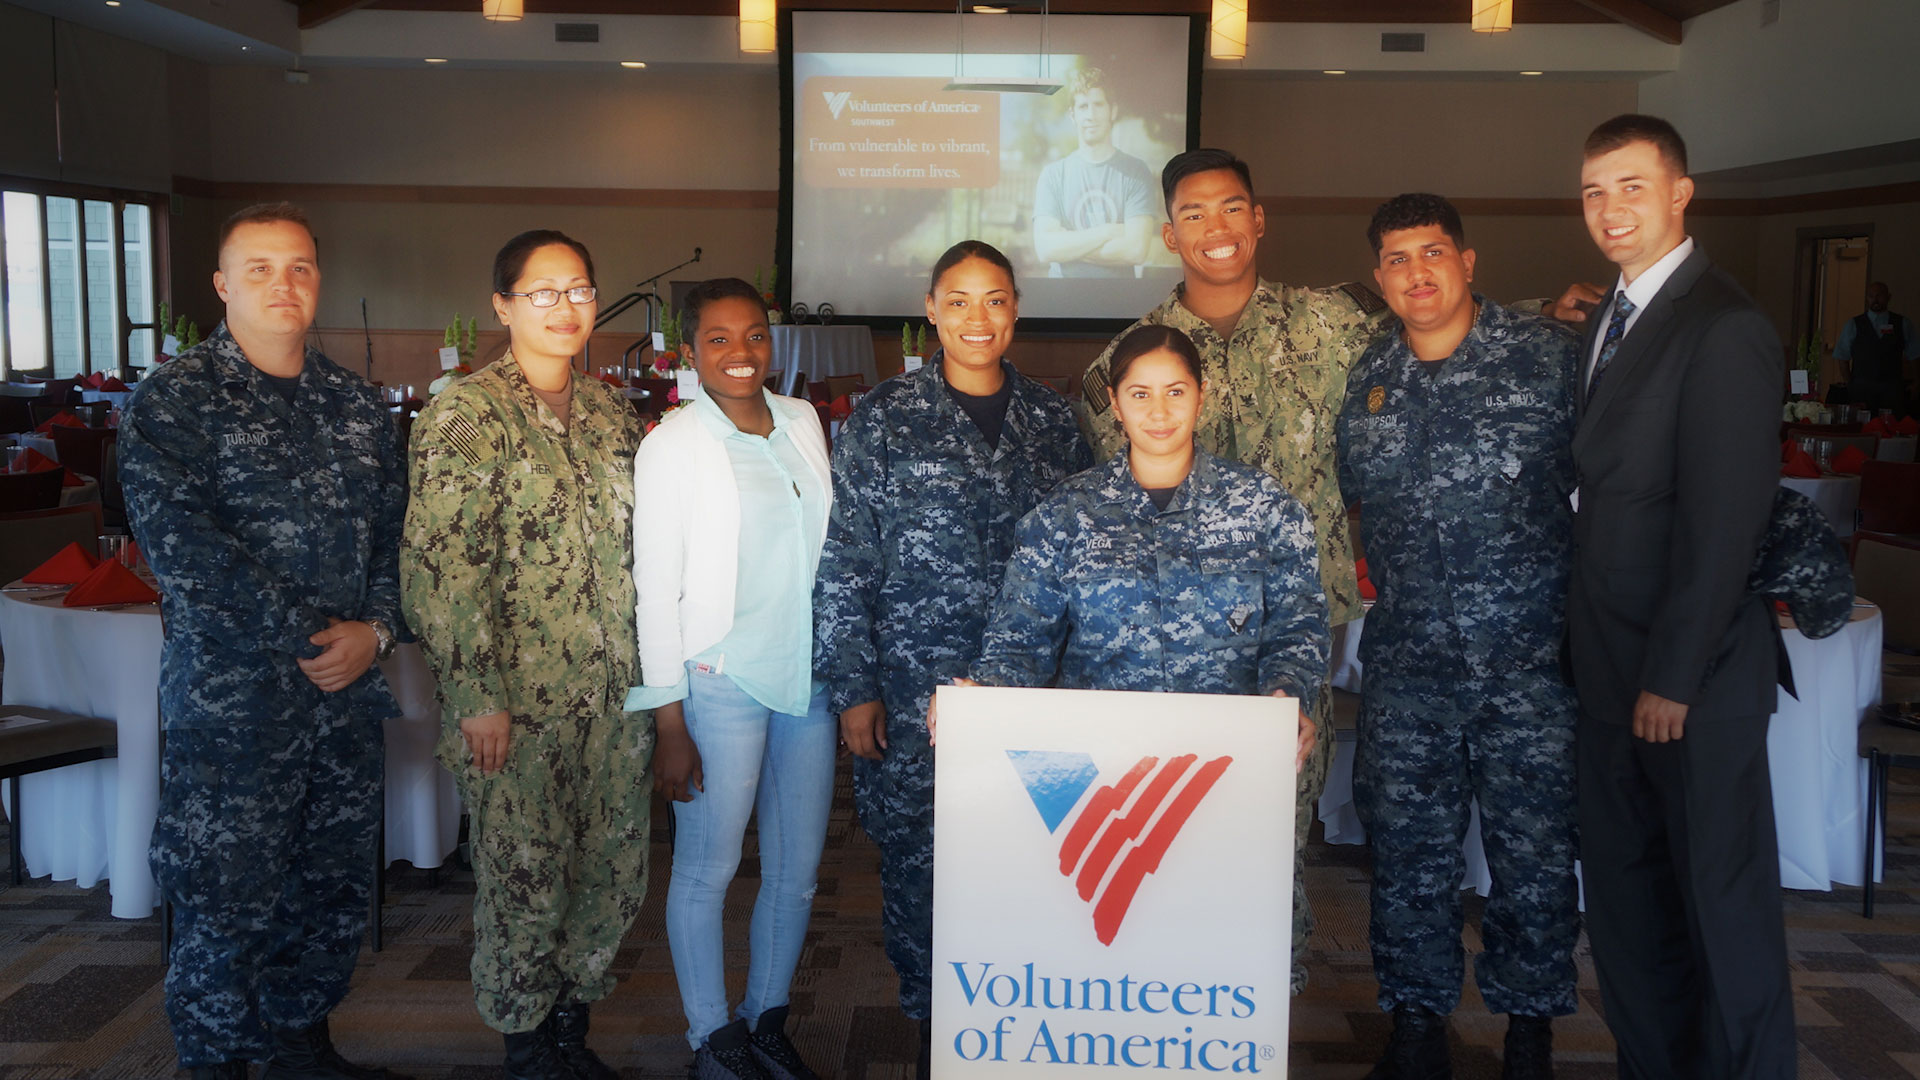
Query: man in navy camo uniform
{"points": [[1456, 441], [266, 490]]}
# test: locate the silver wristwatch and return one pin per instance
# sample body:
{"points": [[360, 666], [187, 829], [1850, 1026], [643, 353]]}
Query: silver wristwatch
{"points": [[383, 639]]}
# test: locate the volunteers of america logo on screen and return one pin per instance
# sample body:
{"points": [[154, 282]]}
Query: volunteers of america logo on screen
{"points": [[836, 100], [1123, 829]]}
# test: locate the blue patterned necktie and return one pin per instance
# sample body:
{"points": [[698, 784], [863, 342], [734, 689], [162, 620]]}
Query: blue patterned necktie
{"points": [[1616, 329]]}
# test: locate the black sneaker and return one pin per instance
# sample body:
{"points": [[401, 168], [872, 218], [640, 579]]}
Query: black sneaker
{"points": [[1417, 1049], [226, 1070], [770, 1044], [727, 1055], [1529, 1054], [308, 1054]]}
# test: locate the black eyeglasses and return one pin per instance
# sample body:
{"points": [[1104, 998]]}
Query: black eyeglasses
{"points": [[579, 294]]}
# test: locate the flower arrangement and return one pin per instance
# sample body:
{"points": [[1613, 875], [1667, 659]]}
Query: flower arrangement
{"points": [[670, 359], [765, 280], [184, 333], [912, 344], [1809, 356], [454, 338]]}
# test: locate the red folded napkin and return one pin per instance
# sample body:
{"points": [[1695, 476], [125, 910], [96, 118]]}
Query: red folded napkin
{"points": [[1907, 426], [92, 382], [1849, 460], [1367, 591], [840, 408], [1800, 464], [110, 583], [1879, 425], [62, 418], [68, 566], [113, 386], [614, 381], [32, 460]]}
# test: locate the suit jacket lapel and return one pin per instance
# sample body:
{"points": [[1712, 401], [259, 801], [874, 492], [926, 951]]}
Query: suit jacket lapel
{"points": [[1639, 343], [1595, 325]]}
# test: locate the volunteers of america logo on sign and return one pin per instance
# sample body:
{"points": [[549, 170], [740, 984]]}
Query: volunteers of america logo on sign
{"points": [[1123, 829]]}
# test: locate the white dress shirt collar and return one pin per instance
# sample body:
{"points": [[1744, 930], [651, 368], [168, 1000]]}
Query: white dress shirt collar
{"points": [[1643, 288]]}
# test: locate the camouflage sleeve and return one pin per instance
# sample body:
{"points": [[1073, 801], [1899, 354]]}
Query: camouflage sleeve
{"points": [[1294, 640], [166, 460], [1348, 320], [383, 574], [1021, 646], [846, 592], [1094, 408], [448, 550]]}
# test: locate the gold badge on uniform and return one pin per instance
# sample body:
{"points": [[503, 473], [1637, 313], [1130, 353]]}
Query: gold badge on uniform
{"points": [[1376, 397]]}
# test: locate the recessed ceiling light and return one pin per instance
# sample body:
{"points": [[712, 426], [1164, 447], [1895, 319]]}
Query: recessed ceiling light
{"points": [[1334, 71], [989, 9], [1533, 73], [436, 59], [113, 3], [636, 64], [244, 48]]}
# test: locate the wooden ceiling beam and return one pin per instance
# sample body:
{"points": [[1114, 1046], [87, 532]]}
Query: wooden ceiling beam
{"points": [[1640, 15], [315, 12]]}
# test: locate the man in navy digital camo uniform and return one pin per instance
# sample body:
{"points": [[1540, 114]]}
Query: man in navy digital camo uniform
{"points": [[266, 490], [1456, 441]]}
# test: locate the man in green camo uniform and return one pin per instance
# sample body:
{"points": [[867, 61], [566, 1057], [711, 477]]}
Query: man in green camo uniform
{"points": [[516, 576], [1276, 361]]}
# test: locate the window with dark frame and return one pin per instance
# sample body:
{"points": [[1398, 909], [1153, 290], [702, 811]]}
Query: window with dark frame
{"points": [[82, 273]]}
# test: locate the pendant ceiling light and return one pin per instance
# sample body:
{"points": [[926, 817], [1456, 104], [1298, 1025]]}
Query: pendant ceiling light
{"points": [[1227, 30], [1492, 16], [757, 33], [503, 10]]}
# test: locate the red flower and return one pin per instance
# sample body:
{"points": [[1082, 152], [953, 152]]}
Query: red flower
{"points": [[673, 395]]}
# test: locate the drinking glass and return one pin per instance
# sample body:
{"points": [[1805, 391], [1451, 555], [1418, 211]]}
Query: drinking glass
{"points": [[113, 546]]}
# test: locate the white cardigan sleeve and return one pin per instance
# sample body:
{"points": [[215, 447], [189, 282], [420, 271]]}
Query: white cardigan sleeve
{"points": [[659, 561]]}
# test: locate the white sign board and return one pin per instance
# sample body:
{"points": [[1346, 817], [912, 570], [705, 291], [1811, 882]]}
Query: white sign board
{"points": [[1798, 378], [1113, 882], [449, 358], [687, 383]]}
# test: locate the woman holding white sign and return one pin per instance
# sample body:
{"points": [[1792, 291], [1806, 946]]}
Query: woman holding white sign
{"points": [[1166, 569], [735, 490]]}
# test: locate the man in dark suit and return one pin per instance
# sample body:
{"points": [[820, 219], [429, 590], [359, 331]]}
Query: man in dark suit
{"points": [[1674, 661]]}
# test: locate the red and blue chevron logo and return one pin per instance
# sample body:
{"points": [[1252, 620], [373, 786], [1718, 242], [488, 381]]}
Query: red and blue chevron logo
{"points": [[1123, 829]]}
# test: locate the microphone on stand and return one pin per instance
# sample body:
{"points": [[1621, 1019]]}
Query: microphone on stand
{"points": [[367, 329]]}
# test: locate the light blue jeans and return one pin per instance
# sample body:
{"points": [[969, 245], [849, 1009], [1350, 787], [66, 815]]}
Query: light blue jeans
{"points": [[752, 759]]}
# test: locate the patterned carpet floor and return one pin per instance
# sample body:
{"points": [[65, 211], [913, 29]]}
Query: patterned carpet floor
{"points": [[80, 991]]}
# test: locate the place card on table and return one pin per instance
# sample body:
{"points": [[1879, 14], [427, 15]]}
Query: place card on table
{"points": [[449, 358]]}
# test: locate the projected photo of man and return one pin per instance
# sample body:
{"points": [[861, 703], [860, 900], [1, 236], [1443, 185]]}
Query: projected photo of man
{"points": [[1095, 210]]}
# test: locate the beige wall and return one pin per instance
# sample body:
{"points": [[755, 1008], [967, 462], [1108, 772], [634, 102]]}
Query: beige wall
{"points": [[1333, 136], [113, 115]]}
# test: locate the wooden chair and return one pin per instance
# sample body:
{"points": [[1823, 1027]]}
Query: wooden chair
{"points": [[30, 491], [82, 448], [841, 384], [1886, 570], [35, 740], [31, 537], [1889, 497]]}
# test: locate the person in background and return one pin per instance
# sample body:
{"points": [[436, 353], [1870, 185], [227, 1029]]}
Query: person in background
{"points": [[1456, 441], [265, 488], [1673, 657], [1276, 358], [517, 574], [1140, 575], [1877, 346], [736, 488], [931, 473], [1093, 210]]}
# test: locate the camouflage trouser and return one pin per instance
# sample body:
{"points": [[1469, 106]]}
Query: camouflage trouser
{"points": [[1306, 803], [894, 798], [1427, 749], [559, 860], [264, 845]]}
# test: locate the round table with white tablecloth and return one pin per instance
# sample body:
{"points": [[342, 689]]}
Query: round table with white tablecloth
{"points": [[1819, 778], [820, 351], [91, 822], [1896, 448], [1836, 494]]}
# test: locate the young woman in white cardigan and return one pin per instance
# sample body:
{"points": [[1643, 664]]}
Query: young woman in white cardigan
{"points": [[732, 499]]}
